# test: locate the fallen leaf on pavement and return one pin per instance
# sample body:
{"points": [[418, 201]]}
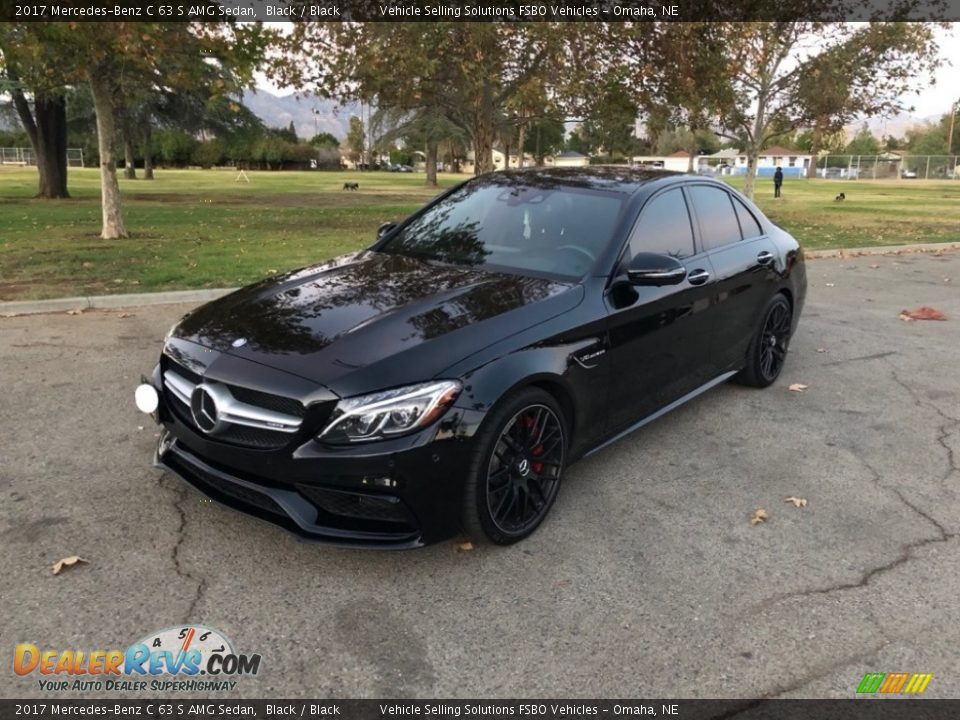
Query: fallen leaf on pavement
{"points": [[78, 311], [797, 501], [874, 266], [463, 547], [67, 562], [125, 315], [922, 313], [821, 349], [797, 387], [759, 516], [829, 284]]}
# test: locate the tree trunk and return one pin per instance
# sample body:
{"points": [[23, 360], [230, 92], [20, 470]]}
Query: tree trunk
{"points": [[752, 154], [521, 132], [51, 116], [814, 154], [48, 138], [113, 226], [147, 151], [432, 163], [483, 137], [129, 162], [506, 156]]}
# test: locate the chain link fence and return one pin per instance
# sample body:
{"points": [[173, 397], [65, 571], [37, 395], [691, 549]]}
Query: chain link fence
{"points": [[889, 166]]}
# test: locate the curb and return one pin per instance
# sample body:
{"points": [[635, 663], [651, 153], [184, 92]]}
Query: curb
{"points": [[103, 302], [935, 248]]}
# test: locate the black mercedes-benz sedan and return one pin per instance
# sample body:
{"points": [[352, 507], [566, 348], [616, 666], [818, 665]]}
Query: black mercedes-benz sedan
{"points": [[441, 381]]}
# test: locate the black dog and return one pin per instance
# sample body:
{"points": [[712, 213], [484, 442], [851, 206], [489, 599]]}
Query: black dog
{"points": [[351, 186], [840, 197]]}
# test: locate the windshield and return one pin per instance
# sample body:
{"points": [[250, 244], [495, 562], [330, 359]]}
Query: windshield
{"points": [[503, 221]]}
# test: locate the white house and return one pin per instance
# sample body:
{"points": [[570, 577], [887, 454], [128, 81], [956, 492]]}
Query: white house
{"points": [[499, 159], [569, 158], [678, 161], [792, 162]]}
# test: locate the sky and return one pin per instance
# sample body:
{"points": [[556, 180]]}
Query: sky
{"points": [[935, 97]]}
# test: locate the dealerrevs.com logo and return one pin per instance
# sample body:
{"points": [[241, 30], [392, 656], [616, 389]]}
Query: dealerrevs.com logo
{"points": [[187, 659]]}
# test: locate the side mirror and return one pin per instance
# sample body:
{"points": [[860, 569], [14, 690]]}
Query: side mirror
{"points": [[655, 269], [385, 229]]}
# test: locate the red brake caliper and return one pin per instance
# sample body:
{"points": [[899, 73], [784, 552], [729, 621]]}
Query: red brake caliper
{"points": [[538, 450]]}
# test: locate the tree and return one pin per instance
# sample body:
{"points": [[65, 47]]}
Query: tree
{"points": [[117, 60], [790, 75], [863, 143], [356, 140], [544, 137], [325, 139], [22, 75], [466, 71]]}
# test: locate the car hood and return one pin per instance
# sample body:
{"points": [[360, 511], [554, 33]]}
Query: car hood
{"points": [[372, 320]]}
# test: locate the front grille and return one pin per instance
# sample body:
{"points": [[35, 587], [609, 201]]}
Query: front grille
{"points": [[238, 492], [356, 505], [277, 403], [255, 427]]}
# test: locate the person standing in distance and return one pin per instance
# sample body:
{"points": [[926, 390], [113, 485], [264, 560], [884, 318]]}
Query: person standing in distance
{"points": [[777, 182]]}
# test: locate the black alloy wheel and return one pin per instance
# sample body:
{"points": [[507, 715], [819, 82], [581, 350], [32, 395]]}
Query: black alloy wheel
{"points": [[521, 458], [768, 350]]}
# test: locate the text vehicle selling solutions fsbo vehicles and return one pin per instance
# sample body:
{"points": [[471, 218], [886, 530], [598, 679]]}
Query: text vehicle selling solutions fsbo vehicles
{"points": [[442, 380]]}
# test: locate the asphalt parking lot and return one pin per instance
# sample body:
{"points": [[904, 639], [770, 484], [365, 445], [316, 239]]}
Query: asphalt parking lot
{"points": [[648, 579]]}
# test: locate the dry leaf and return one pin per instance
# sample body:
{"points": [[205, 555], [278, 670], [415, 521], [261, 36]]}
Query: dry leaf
{"points": [[67, 562], [125, 315], [906, 318], [759, 516], [829, 284], [821, 350], [797, 501], [946, 279], [922, 313], [874, 266], [464, 546], [797, 387], [78, 311]]}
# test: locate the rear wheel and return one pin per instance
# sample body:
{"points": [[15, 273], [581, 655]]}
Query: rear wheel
{"points": [[768, 349], [515, 474]]}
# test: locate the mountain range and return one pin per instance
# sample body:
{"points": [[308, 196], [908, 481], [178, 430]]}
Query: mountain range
{"points": [[310, 115]]}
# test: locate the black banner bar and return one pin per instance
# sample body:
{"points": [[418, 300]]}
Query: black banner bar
{"points": [[474, 10], [873, 708]]}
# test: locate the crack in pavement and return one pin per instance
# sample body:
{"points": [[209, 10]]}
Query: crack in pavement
{"points": [[907, 551], [943, 434], [182, 495]]}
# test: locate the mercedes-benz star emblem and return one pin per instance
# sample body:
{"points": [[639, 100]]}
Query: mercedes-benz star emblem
{"points": [[239, 342], [203, 408]]}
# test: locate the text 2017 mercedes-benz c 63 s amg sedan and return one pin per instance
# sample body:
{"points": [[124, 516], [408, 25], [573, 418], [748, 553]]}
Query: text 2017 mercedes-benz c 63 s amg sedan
{"points": [[442, 380]]}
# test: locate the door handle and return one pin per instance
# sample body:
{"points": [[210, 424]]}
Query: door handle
{"points": [[765, 257], [698, 276]]}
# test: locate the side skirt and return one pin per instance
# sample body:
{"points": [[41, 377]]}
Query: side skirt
{"points": [[663, 411]]}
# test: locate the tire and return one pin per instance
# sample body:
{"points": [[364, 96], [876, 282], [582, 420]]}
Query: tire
{"points": [[515, 472], [768, 349]]}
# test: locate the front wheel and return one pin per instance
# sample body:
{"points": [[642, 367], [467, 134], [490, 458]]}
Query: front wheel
{"points": [[515, 473], [768, 349]]}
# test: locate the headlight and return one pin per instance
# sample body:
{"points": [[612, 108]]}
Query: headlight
{"points": [[390, 412]]}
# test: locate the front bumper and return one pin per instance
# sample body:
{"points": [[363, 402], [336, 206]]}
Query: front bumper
{"points": [[398, 494]]}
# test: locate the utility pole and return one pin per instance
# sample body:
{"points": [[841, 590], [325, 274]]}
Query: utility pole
{"points": [[953, 115]]}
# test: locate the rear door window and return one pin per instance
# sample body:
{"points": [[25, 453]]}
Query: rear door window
{"points": [[718, 220]]}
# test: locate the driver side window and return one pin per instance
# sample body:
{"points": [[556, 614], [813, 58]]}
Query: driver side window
{"points": [[664, 227]]}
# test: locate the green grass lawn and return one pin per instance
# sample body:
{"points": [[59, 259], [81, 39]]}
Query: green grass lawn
{"points": [[199, 228]]}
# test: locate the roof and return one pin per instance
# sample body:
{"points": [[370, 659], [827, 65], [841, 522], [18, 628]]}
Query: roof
{"points": [[726, 153], [619, 178], [570, 153], [679, 153], [778, 150]]}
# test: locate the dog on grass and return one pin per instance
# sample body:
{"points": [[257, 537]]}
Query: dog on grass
{"points": [[351, 186], [840, 197]]}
